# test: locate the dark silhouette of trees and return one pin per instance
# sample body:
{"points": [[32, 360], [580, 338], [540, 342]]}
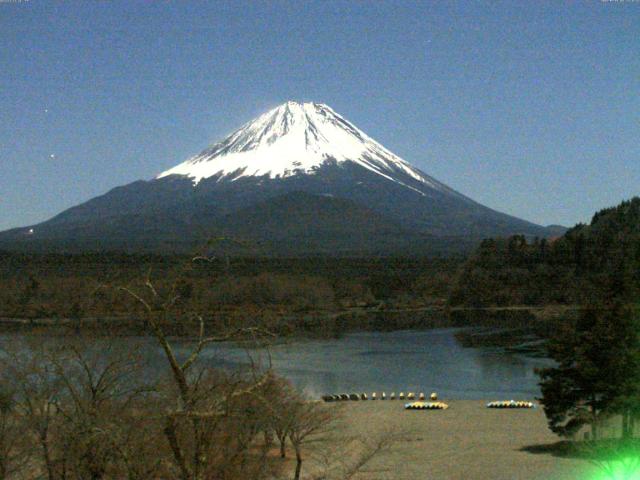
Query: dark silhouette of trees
{"points": [[571, 270], [598, 372]]}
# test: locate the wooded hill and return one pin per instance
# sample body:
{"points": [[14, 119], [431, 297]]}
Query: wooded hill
{"points": [[587, 260]]}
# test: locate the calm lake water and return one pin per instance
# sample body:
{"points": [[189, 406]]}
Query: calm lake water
{"points": [[419, 361]]}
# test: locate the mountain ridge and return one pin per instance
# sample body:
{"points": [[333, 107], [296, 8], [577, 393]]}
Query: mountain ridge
{"points": [[296, 147]]}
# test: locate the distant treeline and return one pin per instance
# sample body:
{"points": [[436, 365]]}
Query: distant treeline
{"points": [[77, 286], [587, 261]]}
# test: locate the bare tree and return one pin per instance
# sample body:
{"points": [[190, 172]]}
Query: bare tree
{"points": [[309, 421], [338, 465], [200, 402], [280, 402], [14, 451], [100, 382], [74, 400], [25, 369]]}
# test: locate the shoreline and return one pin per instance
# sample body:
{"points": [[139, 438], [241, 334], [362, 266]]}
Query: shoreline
{"points": [[518, 329], [432, 316]]}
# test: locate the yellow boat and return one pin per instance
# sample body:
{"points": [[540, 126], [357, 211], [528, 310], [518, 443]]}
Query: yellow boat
{"points": [[426, 406]]}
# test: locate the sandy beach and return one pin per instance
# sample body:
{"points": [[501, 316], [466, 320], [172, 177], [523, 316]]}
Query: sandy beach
{"points": [[465, 442]]}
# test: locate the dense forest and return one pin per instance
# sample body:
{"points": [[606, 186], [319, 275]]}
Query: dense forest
{"points": [[568, 270], [89, 286]]}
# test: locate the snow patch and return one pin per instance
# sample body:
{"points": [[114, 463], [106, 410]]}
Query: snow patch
{"points": [[293, 139]]}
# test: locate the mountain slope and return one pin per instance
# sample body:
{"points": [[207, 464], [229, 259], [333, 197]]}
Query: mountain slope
{"points": [[299, 222], [292, 149]]}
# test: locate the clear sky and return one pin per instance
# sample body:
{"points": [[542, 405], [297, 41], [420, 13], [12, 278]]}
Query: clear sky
{"points": [[531, 108]]}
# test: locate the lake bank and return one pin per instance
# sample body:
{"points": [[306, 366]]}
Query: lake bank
{"points": [[465, 442], [518, 330], [327, 323]]}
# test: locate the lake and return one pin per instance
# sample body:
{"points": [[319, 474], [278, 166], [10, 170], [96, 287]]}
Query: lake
{"points": [[399, 361], [418, 361]]}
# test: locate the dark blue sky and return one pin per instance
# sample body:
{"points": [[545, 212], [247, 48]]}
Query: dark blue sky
{"points": [[532, 108]]}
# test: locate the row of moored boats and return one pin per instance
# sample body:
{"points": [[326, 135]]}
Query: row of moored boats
{"points": [[375, 396], [421, 403]]}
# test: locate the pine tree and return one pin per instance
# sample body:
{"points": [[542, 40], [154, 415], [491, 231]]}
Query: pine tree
{"points": [[598, 371]]}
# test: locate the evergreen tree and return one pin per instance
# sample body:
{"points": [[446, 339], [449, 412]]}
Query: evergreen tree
{"points": [[598, 371]]}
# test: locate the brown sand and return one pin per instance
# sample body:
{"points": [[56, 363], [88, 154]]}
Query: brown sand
{"points": [[465, 442]]}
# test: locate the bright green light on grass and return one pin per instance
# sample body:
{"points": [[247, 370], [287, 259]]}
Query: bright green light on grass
{"points": [[627, 468]]}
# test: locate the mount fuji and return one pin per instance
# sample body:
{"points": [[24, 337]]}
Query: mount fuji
{"points": [[299, 179]]}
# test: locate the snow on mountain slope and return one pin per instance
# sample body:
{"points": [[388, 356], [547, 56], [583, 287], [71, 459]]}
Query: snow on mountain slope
{"points": [[297, 138]]}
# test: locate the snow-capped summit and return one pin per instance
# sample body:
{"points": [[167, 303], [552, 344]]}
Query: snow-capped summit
{"points": [[297, 180], [296, 138]]}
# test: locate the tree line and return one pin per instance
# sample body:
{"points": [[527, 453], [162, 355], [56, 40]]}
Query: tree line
{"points": [[56, 286], [596, 379], [568, 270]]}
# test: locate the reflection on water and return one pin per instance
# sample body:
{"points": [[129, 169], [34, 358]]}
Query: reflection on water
{"points": [[430, 360], [419, 361]]}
